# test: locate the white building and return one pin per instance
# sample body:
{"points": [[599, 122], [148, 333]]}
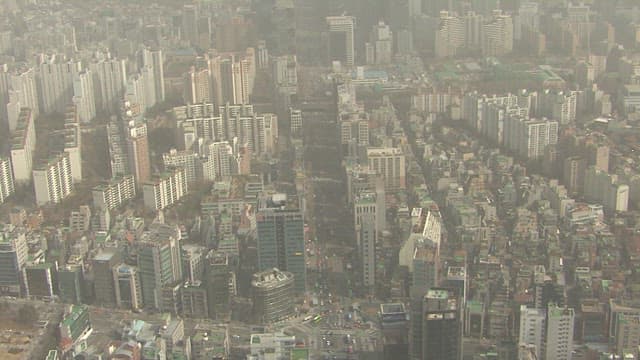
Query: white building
{"points": [[165, 190], [56, 83], [73, 143], [450, 36], [113, 194], [390, 163], [23, 85], [109, 81], [23, 143], [559, 341], [154, 60], [6, 179], [382, 40], [186, 159], [52, 180], [83, 97], [529, 137], [532, 328], [497, 35], [218, 164]]}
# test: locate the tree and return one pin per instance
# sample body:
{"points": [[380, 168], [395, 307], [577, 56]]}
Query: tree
{"points": [[27, 314]]}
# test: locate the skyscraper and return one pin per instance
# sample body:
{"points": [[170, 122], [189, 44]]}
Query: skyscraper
{"points": [[281, 238], [154, 60], [441, 328], [342, 39], [197, 87], [159, 262], [532, 328], [559, 341], [128, 291], [104, 286], [13, 257], [138, 152]]}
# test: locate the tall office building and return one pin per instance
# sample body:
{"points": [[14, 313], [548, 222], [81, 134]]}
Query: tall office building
{"points": [[441, 326], [52, 180], [280, 231], [532, 331], [71, 282], [40, 280], [272, 294], [390, 163], [295, 122], [159, 262], [218, 283], [7, 186], [528, 19], [189, 28], [23, 144], [83, 96], [559, 339], [109, 81], [56, 83], [153, 58], [138, 152], [104, 286], [366, 239], [13, 257], [425, 264], [128, 291], [342, 39]]}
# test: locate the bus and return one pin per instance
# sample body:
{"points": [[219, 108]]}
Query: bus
{"points": [[317, 319]]}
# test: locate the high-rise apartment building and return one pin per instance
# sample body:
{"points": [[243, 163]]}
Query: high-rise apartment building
{"points": [[165, 189], [23, 144], [159, 262], [497, 35], [186, 159], [529, 137], [153, 58], [219, 160], [138, 152], [13, 257], [7, 186], [114, 193], [280, 229], [232, 76], [390, 163], [83, 96], [109, 81], [73, 142], [189, 25], [24, 85], [197, 87], [382, 39], [450, 36], [295, 122], [56, 82], [342, 39], [52, 180]]}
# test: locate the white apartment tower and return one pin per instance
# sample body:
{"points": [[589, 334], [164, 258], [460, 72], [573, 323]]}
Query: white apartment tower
{"points": [[23, 143], [497, 35], [154, 59], [83, 96], [6, 179], [56, 83], [52, 180], [109, 81], [165, 190], [450, 35]]}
